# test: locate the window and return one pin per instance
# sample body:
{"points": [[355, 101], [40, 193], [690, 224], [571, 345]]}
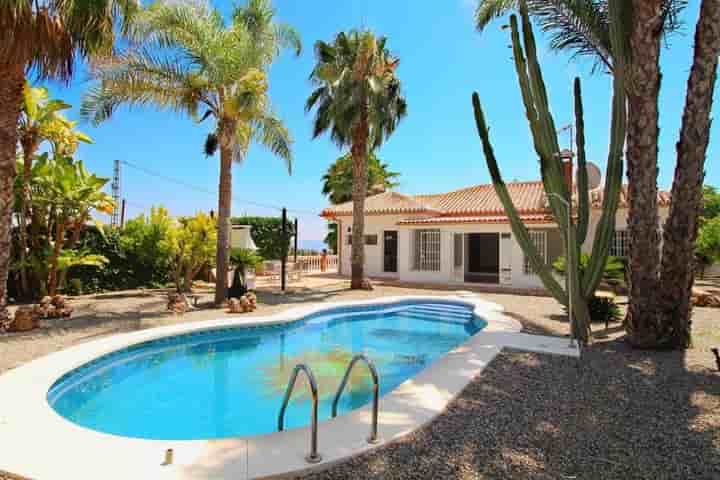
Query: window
{"points": [[426, 250], [620, 244], [539, 239]]}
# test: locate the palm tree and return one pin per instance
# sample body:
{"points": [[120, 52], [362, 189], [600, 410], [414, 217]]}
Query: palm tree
{"points": [[582, 27], [338, 180], [359, 101], [188, 59], [681, 228], [45, 38]]}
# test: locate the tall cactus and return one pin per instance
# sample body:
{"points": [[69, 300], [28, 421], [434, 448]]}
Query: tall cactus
{"points": [[542, 127]]}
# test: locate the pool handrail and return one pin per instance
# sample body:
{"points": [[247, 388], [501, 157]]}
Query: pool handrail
{"points": [[373, 438], [313, 456]]}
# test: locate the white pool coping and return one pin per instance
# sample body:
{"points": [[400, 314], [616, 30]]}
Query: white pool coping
{"points": [[36, 442]]}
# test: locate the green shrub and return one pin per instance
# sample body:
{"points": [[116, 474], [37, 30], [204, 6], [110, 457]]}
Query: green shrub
{"points": [[241, 258], [614, 268], [603, 309], [267, 234], [137, 255]]}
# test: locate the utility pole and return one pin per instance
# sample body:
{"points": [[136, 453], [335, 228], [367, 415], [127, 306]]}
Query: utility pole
{"points": [[283, 260], [122, 214], [115, 217]]}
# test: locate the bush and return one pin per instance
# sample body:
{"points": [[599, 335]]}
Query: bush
{"points": [[603, 309], [614, 268], [241, 258], [267, 234], [137, 255]]}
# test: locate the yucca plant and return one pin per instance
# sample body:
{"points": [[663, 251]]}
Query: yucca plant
{"points": [[186, 58], [544, 133]]}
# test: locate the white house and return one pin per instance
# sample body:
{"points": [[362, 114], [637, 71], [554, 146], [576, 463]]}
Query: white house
{"points": [[463, 236]]}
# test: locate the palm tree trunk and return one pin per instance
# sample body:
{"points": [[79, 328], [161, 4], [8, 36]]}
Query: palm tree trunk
{"points": [[677, 272], [360, 174], [11, 86], [223, 224], [642, 155]]}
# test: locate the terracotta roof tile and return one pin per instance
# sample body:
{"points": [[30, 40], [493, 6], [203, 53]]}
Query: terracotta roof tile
{"points": [[381, 204], [442, 220], [472, 202]]}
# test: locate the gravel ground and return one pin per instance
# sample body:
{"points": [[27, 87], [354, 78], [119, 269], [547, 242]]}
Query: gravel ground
{"points": [[617, 414]]}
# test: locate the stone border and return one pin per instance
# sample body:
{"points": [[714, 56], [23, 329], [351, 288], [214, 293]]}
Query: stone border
{"points": [[39, 443]]}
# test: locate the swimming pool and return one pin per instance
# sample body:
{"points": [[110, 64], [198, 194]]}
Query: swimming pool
{"points": [[229, 382]]}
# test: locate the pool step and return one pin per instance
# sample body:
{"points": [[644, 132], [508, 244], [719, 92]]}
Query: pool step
{"points": [[434, 318], [436, 311]]}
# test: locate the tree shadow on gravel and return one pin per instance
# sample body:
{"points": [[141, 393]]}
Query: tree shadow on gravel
{"points": [[617, 414]]}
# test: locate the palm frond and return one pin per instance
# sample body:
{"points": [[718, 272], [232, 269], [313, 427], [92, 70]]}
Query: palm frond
{"points": [[489, 10], [47, 37], [271, 133]]}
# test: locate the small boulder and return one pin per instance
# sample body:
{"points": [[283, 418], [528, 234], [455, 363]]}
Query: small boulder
{"points": [[177, 303], [234, 306], [25, 319]]}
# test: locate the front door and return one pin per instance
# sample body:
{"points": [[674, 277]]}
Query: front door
{"points": [[390, 251], [483, 258]]}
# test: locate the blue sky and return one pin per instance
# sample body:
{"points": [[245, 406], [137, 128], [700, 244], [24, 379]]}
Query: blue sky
{"points": [[436, 148]]}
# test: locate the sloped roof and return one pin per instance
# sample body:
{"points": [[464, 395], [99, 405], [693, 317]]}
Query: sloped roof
{"points": [[474, 204], [385, 203]]}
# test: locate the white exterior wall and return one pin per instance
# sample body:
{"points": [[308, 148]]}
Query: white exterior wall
{"points": [[374, 225], [620, 224], [378, 224]]}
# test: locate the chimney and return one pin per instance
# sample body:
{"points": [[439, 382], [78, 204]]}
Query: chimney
{"points": [[566, 156]]}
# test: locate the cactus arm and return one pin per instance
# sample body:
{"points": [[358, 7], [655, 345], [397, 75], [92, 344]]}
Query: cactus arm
{"points": [[522, 236], [613, 180], [544, 135], [583, 208]]}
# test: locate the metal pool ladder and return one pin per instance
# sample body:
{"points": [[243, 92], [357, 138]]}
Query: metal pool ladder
{"points": [[313, 456], [373, 438]]}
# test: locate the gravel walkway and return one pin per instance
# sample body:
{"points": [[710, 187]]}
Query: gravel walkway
{"points": [[620, 414]]}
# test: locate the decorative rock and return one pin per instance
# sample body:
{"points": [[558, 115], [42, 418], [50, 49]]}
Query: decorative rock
{"points": [[53, 307], [234, 306], [703, 298], [366, 284], [177, 303], [25, 319]]}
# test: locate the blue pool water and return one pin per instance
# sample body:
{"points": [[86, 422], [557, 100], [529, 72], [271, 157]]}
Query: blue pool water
{"points": [[230, 382]]}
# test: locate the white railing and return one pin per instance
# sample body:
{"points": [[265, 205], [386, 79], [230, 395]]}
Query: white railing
{"points": [[314, 263]]}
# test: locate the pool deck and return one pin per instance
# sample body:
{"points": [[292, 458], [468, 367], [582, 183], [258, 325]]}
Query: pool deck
{"points": [[39, 443]]}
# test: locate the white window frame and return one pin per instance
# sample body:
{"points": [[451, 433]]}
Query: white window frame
{"points": [[620, 243], [539, 239], [426, 250]]}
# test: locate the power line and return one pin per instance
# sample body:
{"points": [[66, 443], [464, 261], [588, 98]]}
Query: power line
{"points": [[185, 184]]}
